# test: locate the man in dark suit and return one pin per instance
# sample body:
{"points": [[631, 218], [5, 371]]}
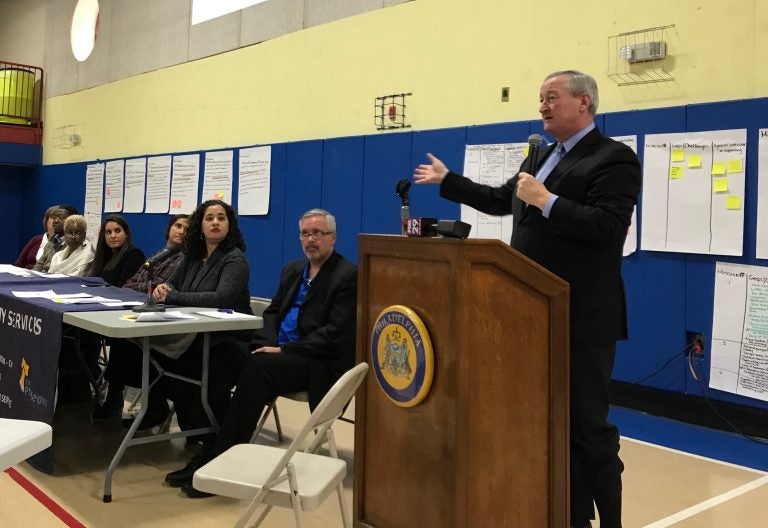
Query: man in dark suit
{"points": [[306, 344], [572, 218]]}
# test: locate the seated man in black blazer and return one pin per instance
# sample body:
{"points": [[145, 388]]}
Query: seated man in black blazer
{"points": [[307, 343]]}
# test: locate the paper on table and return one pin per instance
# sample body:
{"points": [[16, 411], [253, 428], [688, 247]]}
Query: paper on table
{"points": [[146, 317], [82, 300], [122, 303], [13, 270], [48, 275], [47, 294], [225, 315]]}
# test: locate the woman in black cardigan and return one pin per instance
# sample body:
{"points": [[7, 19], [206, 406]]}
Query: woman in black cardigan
{"points": [[117, 259], [213, 274]]}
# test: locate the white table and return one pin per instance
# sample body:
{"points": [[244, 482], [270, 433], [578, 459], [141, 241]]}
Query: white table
{"points": [[20, 439], [112, 324]]}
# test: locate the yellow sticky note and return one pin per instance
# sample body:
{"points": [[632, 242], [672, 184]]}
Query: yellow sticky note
{"points": [[678, 155], [718, 168], [675, 173], [525, 150], [694, 161], [733, 202], [734, 166], [720, 185]]}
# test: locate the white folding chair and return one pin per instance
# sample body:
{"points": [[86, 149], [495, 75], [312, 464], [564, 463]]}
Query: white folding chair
{"points": [[302, 396], [289, 478]]}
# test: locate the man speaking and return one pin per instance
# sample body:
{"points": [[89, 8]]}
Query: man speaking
{"points": [[572, 218]]}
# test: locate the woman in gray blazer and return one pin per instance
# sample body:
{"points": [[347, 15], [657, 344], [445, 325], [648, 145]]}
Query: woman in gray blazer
{"points": [[213, 274]]}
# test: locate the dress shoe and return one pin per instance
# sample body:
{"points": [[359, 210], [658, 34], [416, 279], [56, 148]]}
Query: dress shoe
{"points": [[190, 491], [183, 476]]}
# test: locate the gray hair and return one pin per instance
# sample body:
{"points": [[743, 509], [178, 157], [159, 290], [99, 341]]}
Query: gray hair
{"points": [[329, 218], [579, 83], [76, 221]]}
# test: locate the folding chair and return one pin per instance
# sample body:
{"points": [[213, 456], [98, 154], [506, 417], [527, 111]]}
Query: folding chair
{"points": [[273, 476], [302, 396]]}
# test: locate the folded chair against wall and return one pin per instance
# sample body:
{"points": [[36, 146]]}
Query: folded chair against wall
{"points": [[273, 476]]}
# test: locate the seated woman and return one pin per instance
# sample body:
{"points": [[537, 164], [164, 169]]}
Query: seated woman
{"points": [[56, 242], [116, 258], [164, 261], [34, 249], [213, 274], [77, 255]]}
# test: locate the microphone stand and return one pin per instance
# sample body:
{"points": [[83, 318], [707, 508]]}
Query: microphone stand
{"points": [[150, 305], [403, 191]]}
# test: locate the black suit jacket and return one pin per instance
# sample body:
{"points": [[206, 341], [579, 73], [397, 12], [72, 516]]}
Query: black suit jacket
{"points": [[327, 320], [597, 183]]}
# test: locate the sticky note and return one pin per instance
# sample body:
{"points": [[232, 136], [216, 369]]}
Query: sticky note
{"points": [[734, 166], [718, 168], [720, 185], [733, 203], [675, 173], [678, 155], [694, 161], [525, 150]]}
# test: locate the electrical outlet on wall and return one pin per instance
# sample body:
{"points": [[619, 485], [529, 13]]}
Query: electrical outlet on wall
{"points": [[694, 343]]}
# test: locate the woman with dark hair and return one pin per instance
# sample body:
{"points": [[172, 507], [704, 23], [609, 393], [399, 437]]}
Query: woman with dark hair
{"points": [[164, 261], [213, 274], [52, 219], [116, 258]]}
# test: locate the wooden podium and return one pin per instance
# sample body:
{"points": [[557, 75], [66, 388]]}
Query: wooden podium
{"points": [[488, 446]]}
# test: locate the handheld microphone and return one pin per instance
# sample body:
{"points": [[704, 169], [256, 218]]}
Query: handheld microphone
{"points": [[402, 190], [534, 142]]}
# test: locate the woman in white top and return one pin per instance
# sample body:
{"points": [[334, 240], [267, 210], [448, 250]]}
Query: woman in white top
{"points": [[75, 259]]}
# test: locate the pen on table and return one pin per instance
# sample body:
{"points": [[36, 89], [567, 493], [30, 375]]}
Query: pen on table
{"points": [[225, 310]]}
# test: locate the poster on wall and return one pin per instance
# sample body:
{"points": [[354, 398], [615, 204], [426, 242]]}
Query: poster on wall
{"points": [[739, 362], [491, 164], [113, 186], [693, 192], [761, 251], [630, 244], [135, 183], [186, 176], [158, 184], [217, 176], [254, 182], [94, 188]]}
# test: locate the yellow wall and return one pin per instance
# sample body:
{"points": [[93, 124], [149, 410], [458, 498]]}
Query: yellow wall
{"points": [[454, 55]]}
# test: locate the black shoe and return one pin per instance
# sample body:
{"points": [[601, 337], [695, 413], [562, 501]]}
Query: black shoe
{"points": [[190, 491], [112, 405], [183, 476]]}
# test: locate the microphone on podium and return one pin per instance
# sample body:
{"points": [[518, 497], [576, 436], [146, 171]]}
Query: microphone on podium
{"points": [[534, 143]]}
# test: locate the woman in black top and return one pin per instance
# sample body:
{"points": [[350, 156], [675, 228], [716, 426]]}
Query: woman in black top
{"points": [[213, 274], [117, 259]]}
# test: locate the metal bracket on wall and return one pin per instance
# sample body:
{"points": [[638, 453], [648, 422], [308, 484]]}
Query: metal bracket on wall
{"points": [[389, 111]]}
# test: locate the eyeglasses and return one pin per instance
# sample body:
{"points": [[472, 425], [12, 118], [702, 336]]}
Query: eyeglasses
{"points": [[316, 235]]}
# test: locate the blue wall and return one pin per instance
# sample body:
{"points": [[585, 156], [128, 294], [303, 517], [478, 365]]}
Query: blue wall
{"points": [[355, 178]]}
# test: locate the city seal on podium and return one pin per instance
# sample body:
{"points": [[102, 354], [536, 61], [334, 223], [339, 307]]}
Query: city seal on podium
{"points": [[401, 355]]}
